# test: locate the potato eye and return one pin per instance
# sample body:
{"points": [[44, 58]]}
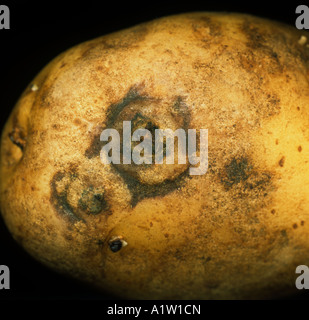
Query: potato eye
{"points": [[116, 243]]}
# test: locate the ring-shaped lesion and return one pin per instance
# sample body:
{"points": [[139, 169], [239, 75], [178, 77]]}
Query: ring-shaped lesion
{"points": [[145, 112]]}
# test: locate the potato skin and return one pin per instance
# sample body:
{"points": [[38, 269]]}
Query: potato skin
{"points": [[237, 232]]}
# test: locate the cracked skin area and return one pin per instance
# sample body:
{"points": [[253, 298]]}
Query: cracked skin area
{"points": [[239, 231]]}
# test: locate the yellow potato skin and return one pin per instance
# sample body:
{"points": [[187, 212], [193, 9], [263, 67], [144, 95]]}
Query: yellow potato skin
{"points": [[237, 232]]}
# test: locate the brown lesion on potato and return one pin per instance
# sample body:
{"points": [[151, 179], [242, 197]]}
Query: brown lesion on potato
{"points": [[91, 200], [179, 113], [239, 174], [284, 239], [18, 137], [277, 42], [44, 97], [113, 111], [121, 111], [59, 198], [281, 162], [140, 191], [265, 46], [95, 146], [236, 170], [18, 134]]}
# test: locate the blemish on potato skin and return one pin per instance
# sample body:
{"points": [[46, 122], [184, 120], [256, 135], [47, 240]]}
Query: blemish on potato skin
{"points": [[77, 121], [237, 170], [281, 161], [138, 190], [93, 201], [258, 40], [56, 126], [273, 211], [95, 146], [89, 201], [133, 95], [247, 187], [295, 226], [18, 137], [59, 200], [113, 111], [284, 238], [300, 149]]}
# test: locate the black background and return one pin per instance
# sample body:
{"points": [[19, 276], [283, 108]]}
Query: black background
{"points": [[40, 31]]}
